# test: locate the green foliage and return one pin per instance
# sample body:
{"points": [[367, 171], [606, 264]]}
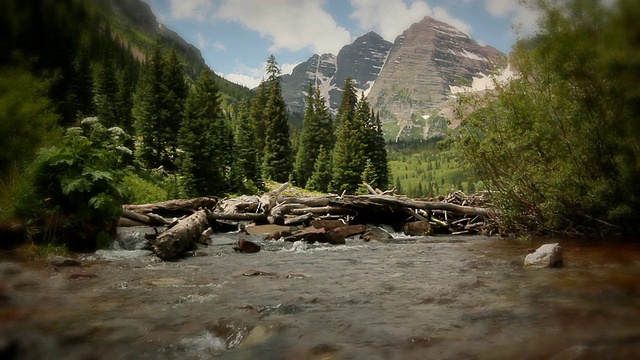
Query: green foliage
{"points": [[246, 154], [277, 159], [206, 141], [317, 131], [27, 118], [349, 153], [140, 190], [322, 174], [158, 110], [559, 143], [78, 187]]}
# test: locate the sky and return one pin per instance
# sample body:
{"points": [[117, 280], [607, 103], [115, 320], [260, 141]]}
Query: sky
{"points": [[237, 36]]}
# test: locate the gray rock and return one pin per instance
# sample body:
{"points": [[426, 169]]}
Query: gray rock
{"points": [[61, 261], [546, 256], [376, 234]]}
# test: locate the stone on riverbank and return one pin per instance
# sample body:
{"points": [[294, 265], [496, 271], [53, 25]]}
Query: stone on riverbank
{"points": [[546, 256]]}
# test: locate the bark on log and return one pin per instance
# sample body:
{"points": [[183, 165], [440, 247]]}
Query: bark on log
{"points": [[173, 243], [301, 219], [270, 199], [143, 219], [180, 206], [418, 204], [237, 216]]}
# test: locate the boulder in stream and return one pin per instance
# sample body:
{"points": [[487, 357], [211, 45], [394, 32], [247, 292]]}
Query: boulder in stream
{"points": [[376, 234], [246, 246], [546, 256]]}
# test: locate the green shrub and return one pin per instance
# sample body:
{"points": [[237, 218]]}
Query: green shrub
{"points": [[142, 191], [78, 187]]}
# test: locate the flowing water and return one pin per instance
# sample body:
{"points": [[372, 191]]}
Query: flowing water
{"points": [[418, 298]]}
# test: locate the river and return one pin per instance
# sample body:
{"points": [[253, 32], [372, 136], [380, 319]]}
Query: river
{"points": [[437, 297]]}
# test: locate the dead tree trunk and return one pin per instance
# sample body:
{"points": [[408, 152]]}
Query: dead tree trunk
{"points": [[174, 207], [174, 242]]}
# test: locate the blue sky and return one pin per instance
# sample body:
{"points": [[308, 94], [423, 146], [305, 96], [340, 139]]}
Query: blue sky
{"points": [[237, 36]]}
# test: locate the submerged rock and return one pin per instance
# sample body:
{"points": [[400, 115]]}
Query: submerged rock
{"points": [[61, 261], [546, 256], [376, 234], [417, 228], [246, 246]]}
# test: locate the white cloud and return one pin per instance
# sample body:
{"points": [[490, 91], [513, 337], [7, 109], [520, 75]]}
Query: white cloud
{"points": [[515, 9], [288, 68], [290, 24], [190, 9], [243, 79], [218, 45], [390, 18], [202, 42]]}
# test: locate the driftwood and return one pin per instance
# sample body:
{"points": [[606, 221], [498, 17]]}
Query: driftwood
{"points": [[174, 207], [458, 212], [174, 242]]}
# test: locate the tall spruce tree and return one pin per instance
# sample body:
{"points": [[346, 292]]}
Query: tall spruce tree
{"points": [[201, 140], [277, 162], [149, 112], [349, 154], [176, 95], [246, 153], [83, 89], [107, 94], [378, 153], [316, 132], [257, 120], [321, 176]]}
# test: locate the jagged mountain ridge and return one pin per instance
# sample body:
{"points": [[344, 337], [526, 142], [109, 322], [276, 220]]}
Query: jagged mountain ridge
{"points": [[407, 81], [361, 60]]}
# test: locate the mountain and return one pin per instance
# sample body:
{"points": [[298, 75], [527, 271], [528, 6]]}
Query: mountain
{"points": [[362, 61], [137, 27], [408, 81]]}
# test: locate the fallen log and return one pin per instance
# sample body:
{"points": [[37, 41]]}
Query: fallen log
{"points": [[237, 216], [174, 242], [139, 218], [173, 207], [419, 204]]}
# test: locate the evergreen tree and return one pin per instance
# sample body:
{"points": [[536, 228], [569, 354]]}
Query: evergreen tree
{"points": [[107, 94], [321, 177], [83, 89], [149, 112], [277, 160], [125, 99], [315, 133], [349, 154], [246, 153], [258, 123], [378, 154], [176, 95], [202, 140]]}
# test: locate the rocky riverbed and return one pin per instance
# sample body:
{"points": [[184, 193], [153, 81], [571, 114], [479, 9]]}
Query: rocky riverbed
{"points": [[407, 298]]}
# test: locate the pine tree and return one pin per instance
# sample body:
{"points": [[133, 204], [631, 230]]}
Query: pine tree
{"points": [[125, 99], [107, 94], [246, 153], [176, 95], [321, 177], [83, 89], [149, 111], [349, 154], [202, 140], [316, 132], [257, 120], [378, 154], [277, 161]]}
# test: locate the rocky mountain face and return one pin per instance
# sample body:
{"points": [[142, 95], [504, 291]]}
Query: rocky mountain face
{"points": [[362, 61], [407, 81], [137, 15]]}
